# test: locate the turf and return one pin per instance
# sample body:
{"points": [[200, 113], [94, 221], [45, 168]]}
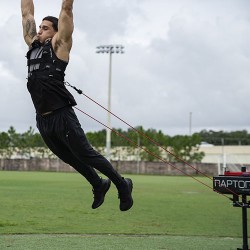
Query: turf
{"points": [[114, 242], [166, 209]]}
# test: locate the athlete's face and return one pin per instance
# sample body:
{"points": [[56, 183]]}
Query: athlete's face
{"points": [[46, 31]]}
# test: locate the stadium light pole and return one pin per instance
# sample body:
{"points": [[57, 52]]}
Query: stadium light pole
{"points": [[190, 123], [109, 49]]}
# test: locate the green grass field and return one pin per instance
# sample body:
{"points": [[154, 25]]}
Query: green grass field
{"points": [[53, 211]]}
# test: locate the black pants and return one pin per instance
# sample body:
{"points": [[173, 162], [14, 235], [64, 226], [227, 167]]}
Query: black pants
{"points": [[62, 133]]}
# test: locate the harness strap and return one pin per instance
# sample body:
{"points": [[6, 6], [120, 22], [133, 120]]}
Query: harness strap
{"points": [[34, 61]]}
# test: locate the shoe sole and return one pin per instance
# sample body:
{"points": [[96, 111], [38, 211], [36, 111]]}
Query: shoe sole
{"points": [[105, 191]]}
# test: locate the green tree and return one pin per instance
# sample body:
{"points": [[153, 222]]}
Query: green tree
{"points": [[4, 145], [226, 138], [97, 139], [23, 144], [186, 148]]}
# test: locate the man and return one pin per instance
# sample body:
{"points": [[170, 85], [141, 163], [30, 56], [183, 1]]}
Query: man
{"points": [[48, 56]]}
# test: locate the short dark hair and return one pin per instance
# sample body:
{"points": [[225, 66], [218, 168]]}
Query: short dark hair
{"points": [[54, 21]]}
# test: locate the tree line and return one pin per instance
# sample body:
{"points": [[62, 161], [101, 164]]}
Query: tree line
{"points": [[241, 137], [183, 146]]}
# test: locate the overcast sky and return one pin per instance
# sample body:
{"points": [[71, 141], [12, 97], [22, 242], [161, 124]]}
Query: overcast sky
{"points": [[181, 57]]}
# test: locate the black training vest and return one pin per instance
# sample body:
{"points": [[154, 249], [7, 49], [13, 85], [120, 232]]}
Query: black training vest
{"points": [[46, 79]]}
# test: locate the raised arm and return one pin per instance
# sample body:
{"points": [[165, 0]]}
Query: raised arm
{"points": [[62, 41], [28, 21]]}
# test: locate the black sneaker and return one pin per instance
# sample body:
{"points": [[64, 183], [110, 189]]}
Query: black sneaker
{"points": [[125, 195], [99, 193]]}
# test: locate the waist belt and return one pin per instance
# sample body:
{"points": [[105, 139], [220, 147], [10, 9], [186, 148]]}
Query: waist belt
{"points": [[52, 112], [44, 75]]}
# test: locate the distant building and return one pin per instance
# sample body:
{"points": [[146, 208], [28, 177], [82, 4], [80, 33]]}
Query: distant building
{"points": [[230, 157]]}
